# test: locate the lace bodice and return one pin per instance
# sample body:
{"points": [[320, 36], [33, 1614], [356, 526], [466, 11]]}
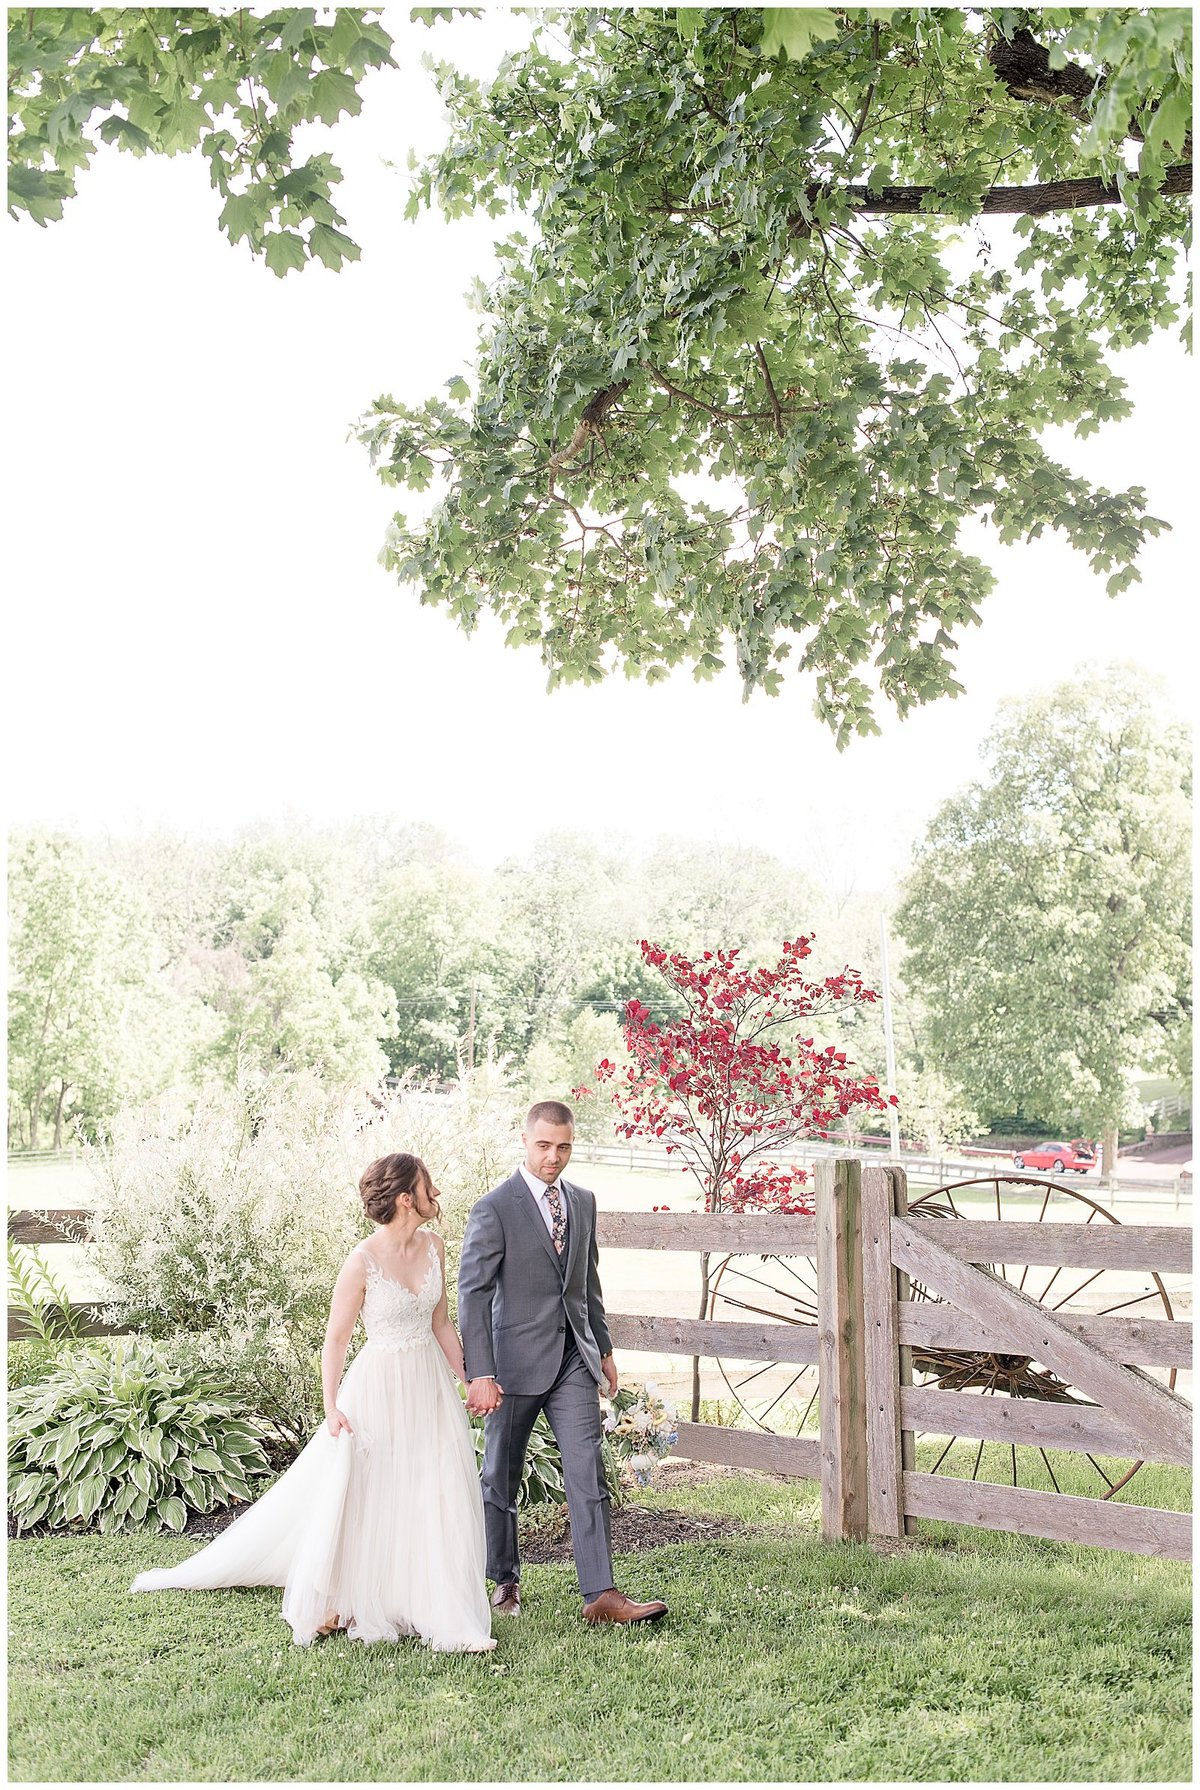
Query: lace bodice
{"points": [[393, 1316]]}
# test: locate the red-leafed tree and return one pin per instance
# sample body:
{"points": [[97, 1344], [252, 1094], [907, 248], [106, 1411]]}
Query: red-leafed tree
{"points": [[731, 1083]]}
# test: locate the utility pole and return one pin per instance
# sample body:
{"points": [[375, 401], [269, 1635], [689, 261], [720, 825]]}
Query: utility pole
{"points": [[888, 1037]]}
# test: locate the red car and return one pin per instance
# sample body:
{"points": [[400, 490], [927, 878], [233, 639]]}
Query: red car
{"points": [[1058, 1158]]}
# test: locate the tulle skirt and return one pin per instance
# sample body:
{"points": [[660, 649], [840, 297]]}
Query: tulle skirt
{"points": [[382, 1529]]}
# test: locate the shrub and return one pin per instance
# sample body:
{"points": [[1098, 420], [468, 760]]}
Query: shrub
{"points": [[226, 1224], [42, 1300], [51, 1320], [31, 1360], [118, 1437]]}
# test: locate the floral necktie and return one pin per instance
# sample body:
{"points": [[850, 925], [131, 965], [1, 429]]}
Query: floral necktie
{"points": [[558, 1218]]}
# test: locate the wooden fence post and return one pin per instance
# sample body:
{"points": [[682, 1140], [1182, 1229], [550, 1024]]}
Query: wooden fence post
{"points": [[908, 1441], [885, 1482], [840, 1336], [890, 1450]]}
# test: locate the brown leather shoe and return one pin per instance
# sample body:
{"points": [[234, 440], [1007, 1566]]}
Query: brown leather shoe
{"points": [[506, 1599], [614, 1606]]}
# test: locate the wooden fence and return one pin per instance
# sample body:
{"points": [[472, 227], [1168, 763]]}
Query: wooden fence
{"points": [[867, 1249]]}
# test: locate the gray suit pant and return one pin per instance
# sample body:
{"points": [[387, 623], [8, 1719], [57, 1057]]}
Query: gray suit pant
{"points": [[572, 1407]]}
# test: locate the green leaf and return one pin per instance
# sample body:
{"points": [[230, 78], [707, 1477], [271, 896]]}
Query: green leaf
{"points": [[284, 250], [332, 247], [65, 1447], [172, 1512], [333, 94], [125, 135], [793, 30], [286, 78], [91, 1494], [1170, 123], [241, 216]]}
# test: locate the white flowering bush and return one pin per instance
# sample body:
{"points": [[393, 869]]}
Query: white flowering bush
{"points": [[640, 1427], [223, 1224]]}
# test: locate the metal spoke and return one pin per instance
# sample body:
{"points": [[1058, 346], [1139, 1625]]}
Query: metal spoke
{"points": [[1041, 1215], [1079, 1289], [1100, 1470], [782, 1395], [795, 1273], [1140, 1300], [978, 1458], [945, 1451], [1049, 1284], [1050, 1469], [761, 1311], [758, 1372]]}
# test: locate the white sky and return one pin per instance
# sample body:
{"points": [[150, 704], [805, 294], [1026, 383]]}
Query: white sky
{"points": [[199, 635]]}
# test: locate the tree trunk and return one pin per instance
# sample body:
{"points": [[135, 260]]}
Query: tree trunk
{"points": [[35, 1118], [704, 1259], [1108, 1151], [58, 1115]]}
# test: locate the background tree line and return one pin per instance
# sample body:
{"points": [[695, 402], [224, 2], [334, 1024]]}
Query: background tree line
{"points": [[1042, 943]]}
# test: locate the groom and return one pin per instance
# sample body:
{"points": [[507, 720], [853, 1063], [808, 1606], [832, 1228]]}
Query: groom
{"points": [[535, 1339]]}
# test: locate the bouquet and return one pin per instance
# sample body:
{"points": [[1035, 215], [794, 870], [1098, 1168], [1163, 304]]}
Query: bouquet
{"points": [[640, 1427]]}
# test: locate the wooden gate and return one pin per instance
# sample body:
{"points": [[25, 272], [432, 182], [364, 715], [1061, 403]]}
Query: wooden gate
{"points": [[1100, 1357], [867, 1252]]}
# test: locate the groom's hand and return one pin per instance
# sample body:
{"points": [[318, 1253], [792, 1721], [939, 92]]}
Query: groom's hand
{"points": [[608, 1368], [483, 1396]]}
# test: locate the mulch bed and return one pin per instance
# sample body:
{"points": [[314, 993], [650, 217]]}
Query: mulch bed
{"points": [[633, 1531]]}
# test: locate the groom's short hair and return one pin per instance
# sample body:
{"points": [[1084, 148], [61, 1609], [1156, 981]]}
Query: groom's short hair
{"points": [[553, 1112]]}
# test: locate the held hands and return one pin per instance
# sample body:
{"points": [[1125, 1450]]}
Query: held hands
{"points": [[337, 1421], [484, 1396]]}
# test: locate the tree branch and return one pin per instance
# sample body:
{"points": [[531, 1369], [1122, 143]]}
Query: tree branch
{"points": [[766, 373], [1023, 65], [1009, 201]]}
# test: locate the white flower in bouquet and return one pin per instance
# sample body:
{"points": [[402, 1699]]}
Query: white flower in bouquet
{"points": [[643, 1467]]}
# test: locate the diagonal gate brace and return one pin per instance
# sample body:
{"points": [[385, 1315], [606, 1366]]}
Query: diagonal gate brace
{"points": [[1158, 1421]]}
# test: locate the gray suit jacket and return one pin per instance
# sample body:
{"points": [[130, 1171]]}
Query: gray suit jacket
{"points": [[516, 1295]]}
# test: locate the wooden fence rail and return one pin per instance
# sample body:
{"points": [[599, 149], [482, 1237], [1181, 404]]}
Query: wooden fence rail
{"points": [[867, 1251]]}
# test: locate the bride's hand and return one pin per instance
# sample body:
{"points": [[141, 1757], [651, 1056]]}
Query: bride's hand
{"points": [[337, 1421]]}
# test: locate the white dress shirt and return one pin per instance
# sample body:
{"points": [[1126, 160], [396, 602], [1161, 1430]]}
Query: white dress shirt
{"points": [[538, 1190]]}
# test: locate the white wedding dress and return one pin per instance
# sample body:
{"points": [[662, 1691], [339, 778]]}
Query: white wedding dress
{"points": [[384, 1527]]}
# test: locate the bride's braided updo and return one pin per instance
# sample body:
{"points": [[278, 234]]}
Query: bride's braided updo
{"points": [[386, 1179]]}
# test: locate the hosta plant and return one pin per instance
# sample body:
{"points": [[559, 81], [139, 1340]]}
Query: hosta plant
{"points": [[119, 1437]]}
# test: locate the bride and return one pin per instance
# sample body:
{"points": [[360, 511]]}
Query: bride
{"points": [[377, 1526]]}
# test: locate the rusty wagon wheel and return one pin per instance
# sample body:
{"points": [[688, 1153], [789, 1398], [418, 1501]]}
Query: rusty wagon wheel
{"points": [[781, 1397]]}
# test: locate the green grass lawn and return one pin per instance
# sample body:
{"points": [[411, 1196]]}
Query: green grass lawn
{"points": [[972, 1656]]}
